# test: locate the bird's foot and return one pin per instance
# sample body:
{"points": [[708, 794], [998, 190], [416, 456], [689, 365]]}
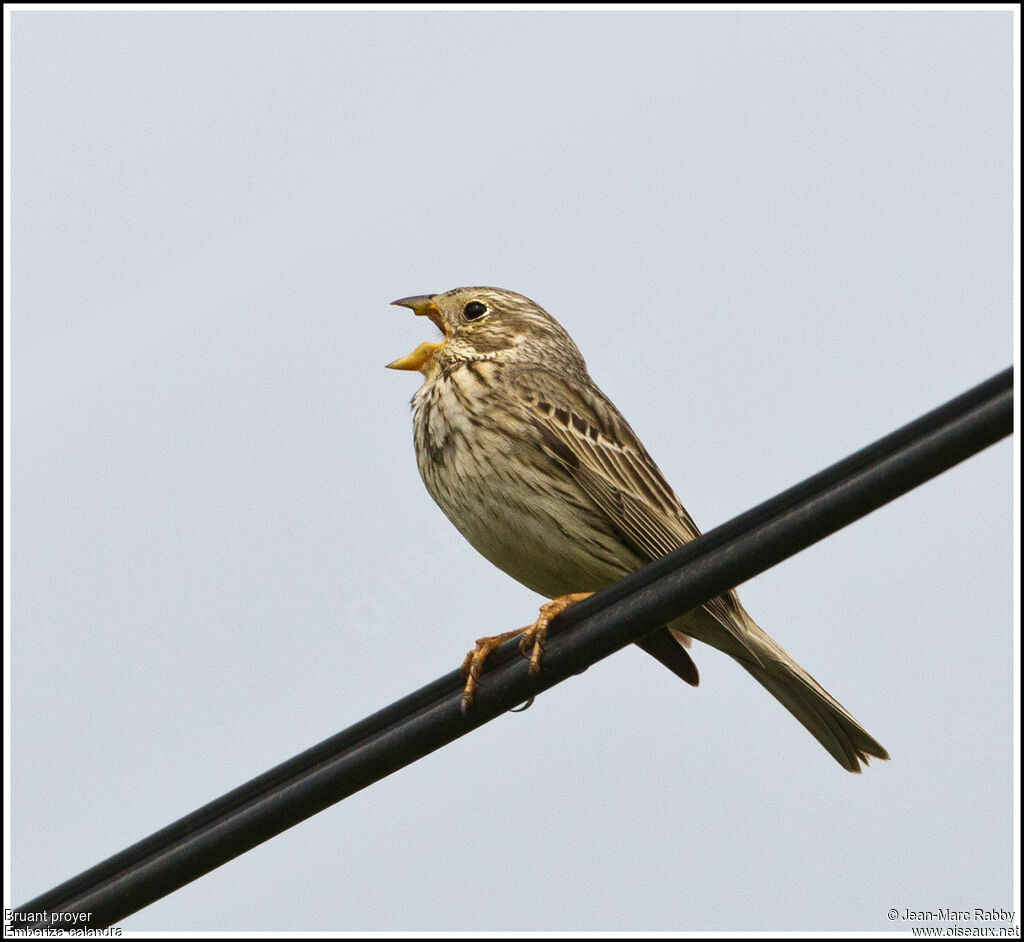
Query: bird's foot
{"points": [[536, 634], [531, 643], [474, 662]]}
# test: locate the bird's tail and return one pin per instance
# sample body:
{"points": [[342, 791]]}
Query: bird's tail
{"points": [[821, 714]]}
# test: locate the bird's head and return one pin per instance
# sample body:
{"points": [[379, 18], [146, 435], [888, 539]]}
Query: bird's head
{"points": [[487, 324]]}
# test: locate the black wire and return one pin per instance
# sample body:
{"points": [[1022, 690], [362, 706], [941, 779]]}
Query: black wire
{"points": [[598, 626]]}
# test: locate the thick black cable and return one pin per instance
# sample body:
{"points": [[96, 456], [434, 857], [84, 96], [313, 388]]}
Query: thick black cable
{"points": [[431, 717]]}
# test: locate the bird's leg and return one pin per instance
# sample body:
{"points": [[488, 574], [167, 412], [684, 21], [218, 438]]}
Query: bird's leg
{"points": [[530, 636]]}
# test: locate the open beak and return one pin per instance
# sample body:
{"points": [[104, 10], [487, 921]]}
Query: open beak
{"points": [[424, 306]]}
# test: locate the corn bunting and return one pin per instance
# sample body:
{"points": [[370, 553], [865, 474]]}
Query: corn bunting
{"points": [[539, 471]]}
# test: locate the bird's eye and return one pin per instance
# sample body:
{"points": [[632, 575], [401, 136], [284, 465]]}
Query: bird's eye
{"points": [[474, 310]]}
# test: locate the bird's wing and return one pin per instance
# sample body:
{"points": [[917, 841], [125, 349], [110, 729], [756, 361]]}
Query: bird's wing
{"points": [[592, 442]]}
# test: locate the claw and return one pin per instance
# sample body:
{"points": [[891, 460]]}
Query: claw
{"points": [[532, 636]]}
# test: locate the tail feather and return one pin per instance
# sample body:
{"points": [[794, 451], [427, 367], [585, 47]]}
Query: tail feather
{"points": [[665, 646], [823, 717], [821, 714]]}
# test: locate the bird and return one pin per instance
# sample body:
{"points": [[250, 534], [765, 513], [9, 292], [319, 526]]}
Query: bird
{"points": [[539, 471]]}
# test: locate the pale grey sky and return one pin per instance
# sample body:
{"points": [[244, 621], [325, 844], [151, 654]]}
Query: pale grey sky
{"points": [[774, 236]]}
